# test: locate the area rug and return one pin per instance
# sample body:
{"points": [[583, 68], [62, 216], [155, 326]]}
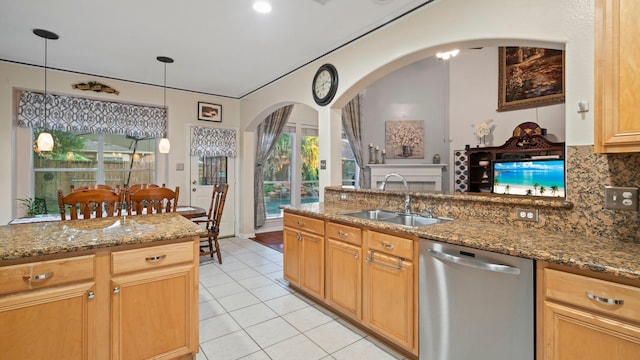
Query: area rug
{"points": [[271, 239]]}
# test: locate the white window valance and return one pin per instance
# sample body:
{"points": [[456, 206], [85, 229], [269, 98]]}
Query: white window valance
{"points": [[82, 115], [207, 141]]}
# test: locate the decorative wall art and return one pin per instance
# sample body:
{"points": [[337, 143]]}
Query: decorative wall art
{"points": [[95, 86], [404, 139], [529, 77], [209, 112]]}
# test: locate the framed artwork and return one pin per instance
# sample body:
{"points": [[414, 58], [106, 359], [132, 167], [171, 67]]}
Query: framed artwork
{"points": [[404, 139], [529, 77], [209, 112]]}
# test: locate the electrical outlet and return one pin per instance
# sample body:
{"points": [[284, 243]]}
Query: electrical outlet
{"points": [[343, 196], [527, 214], [621, 198]]}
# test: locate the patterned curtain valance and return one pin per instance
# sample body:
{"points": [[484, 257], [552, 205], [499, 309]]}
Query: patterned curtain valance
{"points": [[207, 141], [75, 114]]}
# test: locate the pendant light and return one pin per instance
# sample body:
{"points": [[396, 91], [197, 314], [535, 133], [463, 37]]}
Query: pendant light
{"points": [[45, 140], [164, 145]]}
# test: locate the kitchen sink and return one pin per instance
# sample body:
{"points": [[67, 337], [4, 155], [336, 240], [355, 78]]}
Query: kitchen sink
{"points": [[394, 217], [372, 214], [414, 220]]}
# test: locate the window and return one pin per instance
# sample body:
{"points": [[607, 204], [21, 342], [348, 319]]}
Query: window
{"points": [[277, 174], [212, 170], [349, 166], [88, 159], [280, 186]]}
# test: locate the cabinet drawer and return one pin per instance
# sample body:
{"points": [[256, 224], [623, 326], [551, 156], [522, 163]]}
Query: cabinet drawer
{"points": [[389, 244], [151, 257], [575, 289], [304, 223], [46, 273], [344, 233]]}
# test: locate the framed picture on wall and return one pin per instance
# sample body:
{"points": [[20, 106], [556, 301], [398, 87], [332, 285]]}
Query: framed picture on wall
{"points": [[209, 112], [529, 77]]}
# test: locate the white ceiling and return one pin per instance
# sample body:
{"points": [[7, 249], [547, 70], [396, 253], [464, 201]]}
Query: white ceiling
{"points": [[220, 47]]}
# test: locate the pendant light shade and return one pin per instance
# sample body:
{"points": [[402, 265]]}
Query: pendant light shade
{"points": [[45, 140], [164, 145]]}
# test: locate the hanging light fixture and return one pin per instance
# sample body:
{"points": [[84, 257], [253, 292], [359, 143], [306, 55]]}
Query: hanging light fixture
{"points": [[164, 145], [45, 140]]}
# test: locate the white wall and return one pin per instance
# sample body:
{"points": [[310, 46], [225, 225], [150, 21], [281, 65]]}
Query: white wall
{"points": [[474, 98], [182, 112], [437, 27]]}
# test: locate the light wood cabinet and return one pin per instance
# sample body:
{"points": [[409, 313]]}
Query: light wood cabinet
{"points": [[304, 244], [344, 269], [389, 281], [154, 305], [617, 76], [587, 318], [49, 310], [130, 304]]}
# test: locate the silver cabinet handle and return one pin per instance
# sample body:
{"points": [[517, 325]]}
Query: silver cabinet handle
{"points": [[39, 276], [298, 237], [604, 299], [116, 290], [370, 260], [342, 233], [477, 264], [356, 255], [387, 245], [91, 295], [155, 258]]}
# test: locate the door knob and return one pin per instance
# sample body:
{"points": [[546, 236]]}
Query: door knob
{"points": [[194, 182], [194, 189]]}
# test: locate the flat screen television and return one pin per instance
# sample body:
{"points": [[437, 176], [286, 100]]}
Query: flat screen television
{"points": [[536, 177]]}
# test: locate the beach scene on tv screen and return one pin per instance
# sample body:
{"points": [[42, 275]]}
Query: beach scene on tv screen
{"points": [[536, 178]]}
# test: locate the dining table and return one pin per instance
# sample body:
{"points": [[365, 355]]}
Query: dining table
{"points": [[188, 211]]}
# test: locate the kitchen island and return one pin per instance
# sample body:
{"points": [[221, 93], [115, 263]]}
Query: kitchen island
{"points": [[111, 288]]}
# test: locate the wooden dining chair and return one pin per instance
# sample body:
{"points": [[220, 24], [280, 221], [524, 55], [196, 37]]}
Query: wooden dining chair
{"points": [[90, 203], [95, 186], [135, 187], [152, 200], [209, 241]]}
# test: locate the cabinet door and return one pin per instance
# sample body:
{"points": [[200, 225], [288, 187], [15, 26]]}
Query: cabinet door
{"points": [[53, 323], [292, 244], [344, 277], [154, 314], [312, 264], [617, 76], [575, 334], [388, 297]]}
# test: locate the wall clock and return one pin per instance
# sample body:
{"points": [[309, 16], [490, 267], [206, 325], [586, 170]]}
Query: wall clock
{"points": [[325, 84]]}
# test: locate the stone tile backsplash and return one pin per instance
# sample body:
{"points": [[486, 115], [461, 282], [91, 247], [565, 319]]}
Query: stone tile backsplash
{"points": [[587, 174]]}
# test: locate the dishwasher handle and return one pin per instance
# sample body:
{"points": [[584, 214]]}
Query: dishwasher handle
{"points": [[505, 269]]}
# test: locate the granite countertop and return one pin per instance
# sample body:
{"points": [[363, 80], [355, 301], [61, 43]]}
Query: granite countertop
{"points": [[49, 238], [593, 253]]}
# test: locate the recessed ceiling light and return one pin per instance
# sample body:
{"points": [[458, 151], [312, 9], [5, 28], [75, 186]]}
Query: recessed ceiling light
{"points": [[262, 7]]}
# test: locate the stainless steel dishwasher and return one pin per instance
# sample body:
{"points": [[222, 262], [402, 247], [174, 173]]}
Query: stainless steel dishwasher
{"points": [[474, 304]]}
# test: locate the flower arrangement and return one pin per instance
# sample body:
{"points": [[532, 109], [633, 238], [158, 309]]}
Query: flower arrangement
{"points": [[483, 129], [407, 134]]}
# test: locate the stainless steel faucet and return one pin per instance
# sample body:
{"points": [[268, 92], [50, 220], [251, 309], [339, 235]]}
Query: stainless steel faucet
{"points": [[407, 198]]}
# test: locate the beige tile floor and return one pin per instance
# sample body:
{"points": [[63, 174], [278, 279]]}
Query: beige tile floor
{"points": [[248, 312]]}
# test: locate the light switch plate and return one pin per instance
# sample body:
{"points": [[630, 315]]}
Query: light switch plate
{"points": [[621, 198], [180, 167]]}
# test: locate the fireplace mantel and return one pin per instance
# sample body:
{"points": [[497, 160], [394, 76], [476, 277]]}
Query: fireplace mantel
{"points": [[420, 177]]}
